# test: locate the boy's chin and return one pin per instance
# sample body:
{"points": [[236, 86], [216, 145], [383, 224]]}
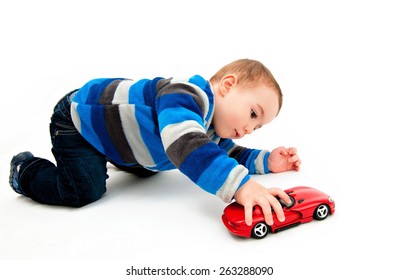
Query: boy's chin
{"points": [[231, 136], [226, 134]]}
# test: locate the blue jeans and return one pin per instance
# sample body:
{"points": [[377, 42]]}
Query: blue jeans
{"points": [[79, 176]]}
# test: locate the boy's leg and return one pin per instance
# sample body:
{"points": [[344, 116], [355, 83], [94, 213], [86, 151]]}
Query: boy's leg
{"points": [[80, 174], [137, 170]]}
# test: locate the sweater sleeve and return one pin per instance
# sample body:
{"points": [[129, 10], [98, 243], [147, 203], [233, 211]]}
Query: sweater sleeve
{"points": [[256, 161], [182, 109]]}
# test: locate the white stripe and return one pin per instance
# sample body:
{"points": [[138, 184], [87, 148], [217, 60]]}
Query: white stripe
{"points": [[122, 92], [75, 116], [235, 177], [132, 132], [259, 162], [172, 132]]}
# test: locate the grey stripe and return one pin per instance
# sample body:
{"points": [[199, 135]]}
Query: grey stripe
{"points": [[235, 151], [259, 162], [165, 87], [116, 133], [109, 92], [161, 83], [133, 136], [185, 145], [174, 131]]}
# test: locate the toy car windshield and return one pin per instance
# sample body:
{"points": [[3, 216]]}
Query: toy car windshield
{"points": [[283, 203]]}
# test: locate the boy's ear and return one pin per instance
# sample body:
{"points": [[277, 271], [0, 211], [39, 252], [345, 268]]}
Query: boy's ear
{"points": [[227, 82]]}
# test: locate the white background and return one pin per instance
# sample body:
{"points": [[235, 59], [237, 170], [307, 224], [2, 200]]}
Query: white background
{"points": [[336, 62]]}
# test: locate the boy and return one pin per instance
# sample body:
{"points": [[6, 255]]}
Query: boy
{"points": [[147, 126]]}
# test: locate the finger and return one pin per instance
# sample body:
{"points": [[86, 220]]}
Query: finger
{"points": [[293, 158], [297, 165], [292, 151], [282, 150], [281, 194], [277, 208], [248, 214], [267, 212]]}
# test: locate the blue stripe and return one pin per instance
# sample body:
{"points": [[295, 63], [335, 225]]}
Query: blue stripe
{"points": [[196, 165], [135, 92], [151, 92], [199, 81], [265, 163], [247, 177], [91, 92], [247, 157], [177, 115], [87, 131], [214, 176], [178, 100], [226, 144], [150, 132], [205, 86]]}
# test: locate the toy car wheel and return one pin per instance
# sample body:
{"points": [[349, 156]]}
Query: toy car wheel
{"points": [[260, 230], [321, 212]]}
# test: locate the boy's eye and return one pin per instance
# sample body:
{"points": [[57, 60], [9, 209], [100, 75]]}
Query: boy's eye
{"points": [[253, 114]]}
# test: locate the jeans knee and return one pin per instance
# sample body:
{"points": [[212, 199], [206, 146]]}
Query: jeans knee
{"points": [[85, 199]]}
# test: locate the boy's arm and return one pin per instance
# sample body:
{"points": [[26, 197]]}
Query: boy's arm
{"points": [[256, 161], [181, 112], [183, 133], [262, 161]]}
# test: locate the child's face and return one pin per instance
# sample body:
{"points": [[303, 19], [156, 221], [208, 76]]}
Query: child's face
{"points": [[240, 110]]}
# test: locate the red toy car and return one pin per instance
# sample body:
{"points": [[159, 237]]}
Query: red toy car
{"points": [[307, 204]]}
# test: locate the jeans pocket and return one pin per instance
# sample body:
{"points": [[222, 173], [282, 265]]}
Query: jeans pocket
{"points": [[59, 130]]}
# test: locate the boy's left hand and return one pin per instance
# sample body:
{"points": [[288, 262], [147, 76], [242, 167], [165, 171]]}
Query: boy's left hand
{"points": [[283, 159]]}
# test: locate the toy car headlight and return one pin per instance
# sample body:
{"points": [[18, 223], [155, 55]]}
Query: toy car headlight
{"points": [[330, 199]]}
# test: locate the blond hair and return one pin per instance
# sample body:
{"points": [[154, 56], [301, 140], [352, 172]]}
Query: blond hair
{"points": [[251, 73]]}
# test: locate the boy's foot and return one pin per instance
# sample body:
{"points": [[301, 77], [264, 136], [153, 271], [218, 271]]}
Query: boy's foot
{"points": [[14, 170]]}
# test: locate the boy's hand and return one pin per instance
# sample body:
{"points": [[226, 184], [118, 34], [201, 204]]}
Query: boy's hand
{"points": [[252, 193], [283, 159]]}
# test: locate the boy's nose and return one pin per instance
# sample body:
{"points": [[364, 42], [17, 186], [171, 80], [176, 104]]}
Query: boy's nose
{"points": [[248, 129]]}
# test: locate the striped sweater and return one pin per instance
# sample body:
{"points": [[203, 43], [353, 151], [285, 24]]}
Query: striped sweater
{"points": [[163, 124]]}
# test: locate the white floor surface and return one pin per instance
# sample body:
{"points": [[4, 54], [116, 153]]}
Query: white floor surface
{"points": [[337, 66]]}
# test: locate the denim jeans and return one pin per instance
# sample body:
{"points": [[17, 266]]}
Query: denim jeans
{"points": [[79, 175]]}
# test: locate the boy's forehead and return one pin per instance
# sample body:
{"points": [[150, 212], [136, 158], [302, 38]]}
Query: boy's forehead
{"points": [[268, 102]]}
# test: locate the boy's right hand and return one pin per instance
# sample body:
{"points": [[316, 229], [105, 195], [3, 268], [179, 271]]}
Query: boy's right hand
{"points": [[252, 193]]}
